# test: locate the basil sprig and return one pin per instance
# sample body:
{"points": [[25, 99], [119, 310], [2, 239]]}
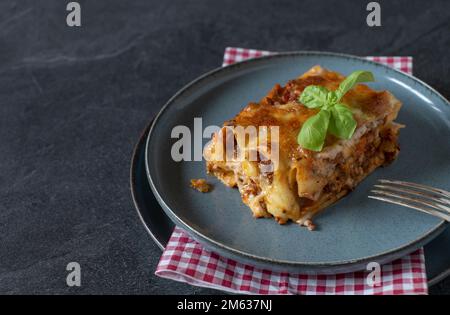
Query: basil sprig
{"points": [[333, 117]]}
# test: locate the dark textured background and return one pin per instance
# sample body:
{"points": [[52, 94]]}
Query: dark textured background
{"points": [[73, 102]]}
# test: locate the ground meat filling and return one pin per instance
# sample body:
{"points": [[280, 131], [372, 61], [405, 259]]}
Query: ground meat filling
{"points": [[377, 147]]}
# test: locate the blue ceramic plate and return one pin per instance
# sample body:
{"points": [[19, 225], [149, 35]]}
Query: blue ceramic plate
{"points": [[354, 231]]}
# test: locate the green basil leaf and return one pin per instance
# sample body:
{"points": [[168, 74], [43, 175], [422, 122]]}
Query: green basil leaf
{"points": [[342, 124], [332, 98], [352, 80], [314, 96], [314, 130]]}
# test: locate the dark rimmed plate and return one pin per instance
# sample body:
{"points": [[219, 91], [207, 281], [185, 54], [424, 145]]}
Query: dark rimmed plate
{"points": [[160, 227], [352, 232]]}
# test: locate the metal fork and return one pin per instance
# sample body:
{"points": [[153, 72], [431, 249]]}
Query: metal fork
{"points": [[426, 199]]}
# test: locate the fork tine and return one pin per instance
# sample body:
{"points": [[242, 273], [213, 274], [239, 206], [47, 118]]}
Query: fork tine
{"points": [[423, 187], [438, 214], [422, 194], [416, 200]]}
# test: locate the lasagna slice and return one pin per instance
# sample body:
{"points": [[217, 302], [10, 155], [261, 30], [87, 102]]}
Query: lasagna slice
{"points": [[302, 182]]}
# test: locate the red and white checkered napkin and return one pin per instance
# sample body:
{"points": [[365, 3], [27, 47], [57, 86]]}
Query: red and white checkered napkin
{"points": [[187, 261]]}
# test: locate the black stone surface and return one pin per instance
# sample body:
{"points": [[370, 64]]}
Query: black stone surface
{"points": [[73, 102]]}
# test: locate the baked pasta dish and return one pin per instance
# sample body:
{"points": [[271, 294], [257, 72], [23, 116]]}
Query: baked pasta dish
{"points": [[323, 133]]}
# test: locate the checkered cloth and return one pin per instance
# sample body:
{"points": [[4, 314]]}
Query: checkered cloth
{"points": [[187, 261], [233, 55]]}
